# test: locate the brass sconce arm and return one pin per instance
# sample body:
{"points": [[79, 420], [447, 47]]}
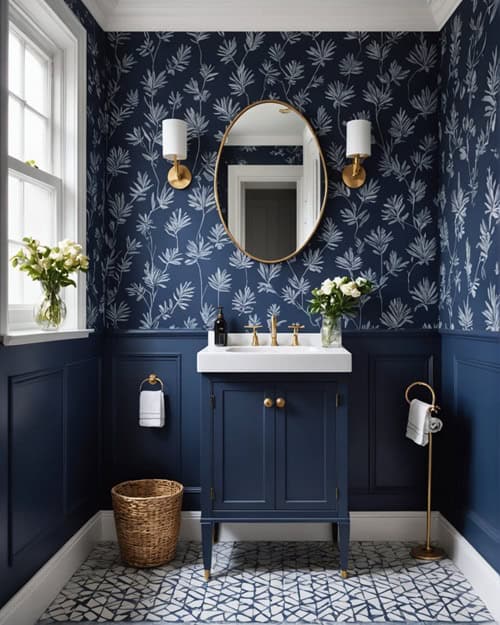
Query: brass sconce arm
{"points": [[179, 176], [354, 175]]}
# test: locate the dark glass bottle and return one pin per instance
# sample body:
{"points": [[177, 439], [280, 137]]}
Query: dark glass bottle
{"points": [[220, 329]]}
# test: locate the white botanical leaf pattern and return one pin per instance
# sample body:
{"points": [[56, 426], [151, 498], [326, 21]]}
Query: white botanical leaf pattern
{"points": [[385, 231], [162, 258], [469, 195]]}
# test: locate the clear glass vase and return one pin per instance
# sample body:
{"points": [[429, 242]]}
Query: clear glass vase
{"points": [[50, 313], [331, 331]]}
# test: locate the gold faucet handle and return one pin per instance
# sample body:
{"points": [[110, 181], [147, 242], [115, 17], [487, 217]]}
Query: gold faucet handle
{"points": [[295, 336], [255, 337]]}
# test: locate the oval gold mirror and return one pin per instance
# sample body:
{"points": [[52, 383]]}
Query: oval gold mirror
{"points": [[270, 181]]}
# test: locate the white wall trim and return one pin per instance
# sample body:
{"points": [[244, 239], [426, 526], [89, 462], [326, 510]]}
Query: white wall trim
{"points": [[102, 11], [268, 15], [482, 577], [27, 605], [364, 526], [442, 10], [30, 602]]}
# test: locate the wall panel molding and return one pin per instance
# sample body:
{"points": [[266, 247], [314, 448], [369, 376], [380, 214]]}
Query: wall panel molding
{"points": [[138, 451], [44, 393], [35, 480], [407, 355], [470, 484]]}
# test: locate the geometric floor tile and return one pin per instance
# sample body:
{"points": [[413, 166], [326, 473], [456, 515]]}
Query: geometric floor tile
{"points": [[269, 582]]}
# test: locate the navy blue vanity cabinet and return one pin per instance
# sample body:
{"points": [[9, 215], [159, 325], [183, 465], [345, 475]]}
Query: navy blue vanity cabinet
{"points": [[274, 449]]}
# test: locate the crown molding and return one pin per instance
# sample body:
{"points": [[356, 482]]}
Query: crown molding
{"points": [[103, 11], [442, 10], [268, 15]]}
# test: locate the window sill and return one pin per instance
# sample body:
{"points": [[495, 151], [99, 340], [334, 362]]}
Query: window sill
{"points": [[27, 337]]}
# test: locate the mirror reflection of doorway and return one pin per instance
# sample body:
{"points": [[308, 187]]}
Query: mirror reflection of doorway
{"points": [[270, 221]]}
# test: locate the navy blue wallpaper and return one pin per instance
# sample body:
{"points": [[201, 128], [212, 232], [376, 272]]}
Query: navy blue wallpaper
{"points": [[97, 116], [169, 260], [469, 194]]}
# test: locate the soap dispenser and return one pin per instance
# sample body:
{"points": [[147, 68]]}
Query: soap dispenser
{"points": [[220, 329]]}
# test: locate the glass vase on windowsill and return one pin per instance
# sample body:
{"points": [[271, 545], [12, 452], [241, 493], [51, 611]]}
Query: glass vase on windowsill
{"points": [[51, 266], [50, 313]]}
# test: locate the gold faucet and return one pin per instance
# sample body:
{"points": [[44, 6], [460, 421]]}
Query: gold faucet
{"points": [[295, 336], [274, 331], [255, 336]]}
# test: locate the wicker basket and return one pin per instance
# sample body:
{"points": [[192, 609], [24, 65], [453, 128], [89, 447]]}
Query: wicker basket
{"points": [[147, 517]]}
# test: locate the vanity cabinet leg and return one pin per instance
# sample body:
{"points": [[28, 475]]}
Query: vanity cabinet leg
{"points": [[206, 539], [216, 533], [343, 547], [335, 533]]}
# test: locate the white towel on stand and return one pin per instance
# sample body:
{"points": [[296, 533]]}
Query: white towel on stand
{"points": [[152, 409], [421, 421]]}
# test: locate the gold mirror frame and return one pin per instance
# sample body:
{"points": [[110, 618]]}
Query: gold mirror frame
{"points": [[216, 192]]}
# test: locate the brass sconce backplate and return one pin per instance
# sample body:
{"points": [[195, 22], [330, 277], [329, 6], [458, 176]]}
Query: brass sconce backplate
{"points": [[352, 180], [179, 177]]}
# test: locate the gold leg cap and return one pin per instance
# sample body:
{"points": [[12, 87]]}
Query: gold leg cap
{"points": [[207, 575], [343, 574]]}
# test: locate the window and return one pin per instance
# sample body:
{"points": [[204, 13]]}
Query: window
{"points": [[46, 147]]}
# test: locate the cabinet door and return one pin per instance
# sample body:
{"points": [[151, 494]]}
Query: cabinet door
{"points": [[306, 476], [243, 447]]}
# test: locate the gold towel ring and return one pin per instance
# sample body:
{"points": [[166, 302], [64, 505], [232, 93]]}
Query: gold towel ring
{"points": [[152, 379], [434, 407]]}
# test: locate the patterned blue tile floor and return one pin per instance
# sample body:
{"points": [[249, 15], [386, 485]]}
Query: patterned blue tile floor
{"points": [[261, 582]]}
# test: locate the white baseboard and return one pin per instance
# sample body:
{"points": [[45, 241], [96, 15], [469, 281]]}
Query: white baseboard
{"points": [[482, 577], [29, 603], [364, 526]]}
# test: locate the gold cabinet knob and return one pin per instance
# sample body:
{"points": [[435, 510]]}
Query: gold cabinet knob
{"points": [[268, 402], [280, 402]]}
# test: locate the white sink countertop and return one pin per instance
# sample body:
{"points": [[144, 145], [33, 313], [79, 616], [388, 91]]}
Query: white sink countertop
{"points": [[240, 357]]}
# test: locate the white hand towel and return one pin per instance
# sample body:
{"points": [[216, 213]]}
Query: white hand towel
{"points": [[152, 409], [418, 422]]}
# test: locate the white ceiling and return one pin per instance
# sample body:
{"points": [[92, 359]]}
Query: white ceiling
{"points": [[265, 124], [272, 15]]}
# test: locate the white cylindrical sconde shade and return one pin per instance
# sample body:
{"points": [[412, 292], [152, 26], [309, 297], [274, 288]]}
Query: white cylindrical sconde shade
{"points": [[358, 138], [174, 139]]}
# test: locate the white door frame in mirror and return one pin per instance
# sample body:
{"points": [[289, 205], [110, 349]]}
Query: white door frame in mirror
{"points": [[317, 168], [267, 176]]}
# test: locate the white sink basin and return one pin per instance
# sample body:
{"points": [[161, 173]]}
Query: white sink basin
{"points": [[265, 349], [309, 357]]}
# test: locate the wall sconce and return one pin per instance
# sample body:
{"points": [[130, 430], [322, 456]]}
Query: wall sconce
{"points": [[174, 139], [358, 147]]}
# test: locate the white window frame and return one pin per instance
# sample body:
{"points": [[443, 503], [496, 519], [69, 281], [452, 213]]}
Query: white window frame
{"points": [[50, 21]]}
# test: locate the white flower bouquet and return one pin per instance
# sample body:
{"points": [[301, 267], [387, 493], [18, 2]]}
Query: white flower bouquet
{"points": [[334, 298], [339, 296], [51, 266]]}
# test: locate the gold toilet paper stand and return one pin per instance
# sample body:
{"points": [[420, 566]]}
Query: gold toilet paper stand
{"points": [[427, 551]]}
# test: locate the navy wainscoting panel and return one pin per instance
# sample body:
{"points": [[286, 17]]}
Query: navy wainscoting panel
{"points": [[36, 470], [83, 399], [49, 451], [387, 471], [171, 452], [470, 466]]}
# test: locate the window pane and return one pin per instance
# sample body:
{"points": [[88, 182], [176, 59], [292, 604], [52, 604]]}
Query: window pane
{"points": [[35, 139], [22, 289], [15, 279], [36, 81], [15, 128], [39, 214], [15, 209], [15, 65]]}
